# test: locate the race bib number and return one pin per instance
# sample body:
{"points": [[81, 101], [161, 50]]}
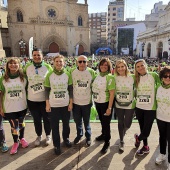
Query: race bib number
{"points": [[95, 96], [82, 85], [37, 88], [59, 95], [144, 99], [14, 94], [123, 97]]}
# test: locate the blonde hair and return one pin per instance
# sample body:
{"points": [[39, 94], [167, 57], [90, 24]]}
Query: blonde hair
{"points": [[7, 70], [119, 62], [137, 75], [59, 56]]}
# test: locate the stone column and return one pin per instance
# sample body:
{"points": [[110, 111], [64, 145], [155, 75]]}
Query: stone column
{"points": [[2, 51]]}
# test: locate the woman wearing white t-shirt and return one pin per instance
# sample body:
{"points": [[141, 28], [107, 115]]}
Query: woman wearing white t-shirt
{"points": [[14, 105], [163, 115], [146, 83], [125, 101], [103, 95], [59, 94]]}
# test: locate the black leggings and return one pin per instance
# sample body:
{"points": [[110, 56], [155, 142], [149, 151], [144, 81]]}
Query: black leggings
{"points": [[145, 119], [16, 120], [2, 133]]}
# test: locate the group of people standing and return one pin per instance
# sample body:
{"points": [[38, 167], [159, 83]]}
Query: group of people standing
{"points": [[52, 93]]}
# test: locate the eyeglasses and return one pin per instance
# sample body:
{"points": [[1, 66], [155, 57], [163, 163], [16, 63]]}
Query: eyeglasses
{"points": [[166, 76], [82, 61]]}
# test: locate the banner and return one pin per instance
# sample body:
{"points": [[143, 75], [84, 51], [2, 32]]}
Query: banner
{"points": [[31, 44], [77, 49]]}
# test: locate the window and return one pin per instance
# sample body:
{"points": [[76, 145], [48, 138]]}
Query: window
{"points": [[80, 21], [19, 16]]}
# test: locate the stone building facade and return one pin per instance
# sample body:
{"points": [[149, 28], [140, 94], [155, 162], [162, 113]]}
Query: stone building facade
{"points": [[55, 25]]}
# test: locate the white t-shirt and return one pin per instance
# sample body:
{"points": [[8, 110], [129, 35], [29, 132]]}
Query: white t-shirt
{"points": [[82, 81], [163, 104], [36, 90], [14, 98], [59, 96]]}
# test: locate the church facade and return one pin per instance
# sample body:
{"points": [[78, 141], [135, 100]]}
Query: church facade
{"points": [[55, 25]]}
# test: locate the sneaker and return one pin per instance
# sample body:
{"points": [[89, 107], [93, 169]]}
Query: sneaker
{"points": [[168, 166], [14, 148], [160, 158], [68, 143], [38, 141], [121, 146], [105, 147], [57, 150], [88, 142], [4, 147], [24, 143], [137, 142], [77, 140], [143, 150], [100, 138], [48, 140]]}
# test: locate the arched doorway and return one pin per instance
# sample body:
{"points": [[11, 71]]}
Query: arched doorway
{"points": [[53, 48], [159, 50], [149, 50], [81, 49]]}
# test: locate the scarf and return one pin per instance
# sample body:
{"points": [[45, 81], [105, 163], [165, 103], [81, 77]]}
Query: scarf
{"points": [[165, 86], [58, 72], [104, 74]]}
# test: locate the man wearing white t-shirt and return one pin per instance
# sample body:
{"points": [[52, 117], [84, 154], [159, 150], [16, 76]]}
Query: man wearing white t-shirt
{"points": [[82, 98]]}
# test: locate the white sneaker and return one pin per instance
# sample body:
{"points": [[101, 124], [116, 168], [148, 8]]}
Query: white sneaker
{"points": [[48, 140], [160, 158], [38, 141], [168, 166]]}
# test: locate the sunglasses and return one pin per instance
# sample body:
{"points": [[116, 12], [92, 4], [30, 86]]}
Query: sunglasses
{"points": [[82, 61], [166, 76]]}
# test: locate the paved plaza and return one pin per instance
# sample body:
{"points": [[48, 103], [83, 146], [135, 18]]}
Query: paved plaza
{"points": [[79, 156]]}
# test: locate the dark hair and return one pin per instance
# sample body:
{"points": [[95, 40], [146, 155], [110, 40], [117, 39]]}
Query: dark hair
{"points": [[37, 49], [164, 71], [105, 60]]}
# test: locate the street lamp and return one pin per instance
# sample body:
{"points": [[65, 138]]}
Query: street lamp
{"points": [[143, 45], [22, 45]]}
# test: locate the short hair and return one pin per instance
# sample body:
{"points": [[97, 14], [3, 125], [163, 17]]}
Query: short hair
{"points": [[105, 60], [119, 62], [164, 71], [37, 49], [59, 56]]}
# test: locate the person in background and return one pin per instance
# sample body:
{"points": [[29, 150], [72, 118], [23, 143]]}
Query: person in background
{"points": [[36, 73], [83, 77], [103, 96], [124, 97], [14, 105], [146, 83], [163, 115], [59, 101]]}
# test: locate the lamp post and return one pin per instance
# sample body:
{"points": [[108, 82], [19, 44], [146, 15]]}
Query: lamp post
{"points": [[22, 45], [143, 45]]}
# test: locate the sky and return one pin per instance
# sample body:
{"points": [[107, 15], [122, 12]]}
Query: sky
{"points": [[133, 8]]}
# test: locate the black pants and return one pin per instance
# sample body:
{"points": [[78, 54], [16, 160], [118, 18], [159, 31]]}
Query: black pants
{"points": [[38, 112], [164, 137], [57, 114], [145, 119], [2, 133], [104, 120]]}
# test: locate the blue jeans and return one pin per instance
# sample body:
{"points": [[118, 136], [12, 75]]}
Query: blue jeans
{"points": [[82, 114], [57, 114]]}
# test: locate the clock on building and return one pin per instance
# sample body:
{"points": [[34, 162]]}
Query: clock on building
{"points": [[51, 13]]}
